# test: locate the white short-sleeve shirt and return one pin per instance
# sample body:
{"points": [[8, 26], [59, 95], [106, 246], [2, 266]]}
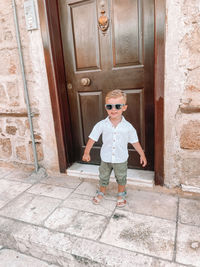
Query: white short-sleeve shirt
{"points": [[115, 139]]}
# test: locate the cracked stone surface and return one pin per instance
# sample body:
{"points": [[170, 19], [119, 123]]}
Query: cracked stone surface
{"points": [[189, 211], [54, 220], [64, 181], [11, 189], [13, 258], [84, 203], [163, 206], [30, 208], [140, 233], [76, 222], [188, 245], [50, 191]]}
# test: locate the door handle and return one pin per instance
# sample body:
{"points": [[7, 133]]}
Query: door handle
{"points": [[85, 81]]}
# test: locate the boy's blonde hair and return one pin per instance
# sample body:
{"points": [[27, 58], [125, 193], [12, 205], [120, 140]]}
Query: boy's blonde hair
{"points": [[115, 94]]}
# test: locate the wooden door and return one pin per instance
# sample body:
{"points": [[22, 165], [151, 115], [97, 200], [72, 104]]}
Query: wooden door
{"points": [[119, 57]]}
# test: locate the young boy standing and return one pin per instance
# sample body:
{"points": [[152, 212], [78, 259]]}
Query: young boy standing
{"points": [[116, 134]]}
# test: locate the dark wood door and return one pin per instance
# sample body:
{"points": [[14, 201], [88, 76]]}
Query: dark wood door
{"points": [[119, 57]]}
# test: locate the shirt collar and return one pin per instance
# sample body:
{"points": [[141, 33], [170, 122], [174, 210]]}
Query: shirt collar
{"points": [[107, 120]]}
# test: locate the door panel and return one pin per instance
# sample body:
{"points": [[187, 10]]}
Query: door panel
{"points": [[125, 33], [119, 58], [83, 21]]}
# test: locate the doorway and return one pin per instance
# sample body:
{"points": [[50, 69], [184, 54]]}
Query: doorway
{"points": [[54, 60], [109, 44]]}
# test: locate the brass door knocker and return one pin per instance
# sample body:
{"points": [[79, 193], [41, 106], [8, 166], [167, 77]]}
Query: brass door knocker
{"points": [[103, 22]]}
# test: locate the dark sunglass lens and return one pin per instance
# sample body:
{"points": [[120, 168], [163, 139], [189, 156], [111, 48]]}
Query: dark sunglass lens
{"points": [[108, 107], [118, 106]]}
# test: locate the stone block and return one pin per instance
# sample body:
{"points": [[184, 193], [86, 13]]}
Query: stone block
{"points": [[191, 167], [50, 191], [21, 127], [190, 135], [162, 205], [21, 152], [12, 258], [39, 150], [11, 130], [141, 233], [188, 245], [79, 223], [30, 208], [13, 93], [9, 190], [5, 148], [189, 211], [84, 203], [3, 95], [191, 43], [9, 62], [193, 81], [190, 9], [64, 181]]}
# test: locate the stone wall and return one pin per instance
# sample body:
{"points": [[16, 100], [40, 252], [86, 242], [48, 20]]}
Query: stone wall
{"points": [[182, 94], [15, 139]]}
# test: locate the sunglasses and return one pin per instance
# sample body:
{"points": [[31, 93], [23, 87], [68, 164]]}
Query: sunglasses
{"points": [[116, 106]]}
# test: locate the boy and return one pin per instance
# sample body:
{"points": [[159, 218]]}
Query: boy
{"points": [[116, 134]]}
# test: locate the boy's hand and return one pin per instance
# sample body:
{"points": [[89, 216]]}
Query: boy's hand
{"points": [[143, 160], [86, 157]]}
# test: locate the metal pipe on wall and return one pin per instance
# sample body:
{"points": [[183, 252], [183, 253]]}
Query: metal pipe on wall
{"points": [[25, 86]]}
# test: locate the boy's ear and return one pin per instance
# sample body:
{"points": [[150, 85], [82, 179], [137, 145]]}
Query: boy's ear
{"points": [[125, 107]]}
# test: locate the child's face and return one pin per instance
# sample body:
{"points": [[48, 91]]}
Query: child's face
{"points": [[116, 113]]}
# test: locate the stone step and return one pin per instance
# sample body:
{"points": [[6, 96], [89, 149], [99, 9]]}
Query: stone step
{"points": [[67, 250], [134, 177]]}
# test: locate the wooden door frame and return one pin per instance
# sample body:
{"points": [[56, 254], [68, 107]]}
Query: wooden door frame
{"points": [[52, 43]]}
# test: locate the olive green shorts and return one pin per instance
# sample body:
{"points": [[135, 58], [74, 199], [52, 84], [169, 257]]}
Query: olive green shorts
{"points": [[120, 171]]}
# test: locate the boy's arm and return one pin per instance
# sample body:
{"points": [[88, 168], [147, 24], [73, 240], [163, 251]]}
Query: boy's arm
{"points": [[86, 155], [140, 151]]}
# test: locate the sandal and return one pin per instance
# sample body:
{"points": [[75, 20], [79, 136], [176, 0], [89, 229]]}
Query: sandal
{"points": [[122, 201], [96, 200]]}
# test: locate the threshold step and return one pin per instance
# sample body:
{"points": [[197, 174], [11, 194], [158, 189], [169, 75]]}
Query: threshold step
{"points": [[134, 176]]}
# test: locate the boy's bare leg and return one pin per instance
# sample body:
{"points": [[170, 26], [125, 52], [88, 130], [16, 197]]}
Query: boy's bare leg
{"points": [[121, 188]]}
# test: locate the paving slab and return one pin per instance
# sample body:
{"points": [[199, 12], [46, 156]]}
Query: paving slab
{"points": [[11, 258], [50, 191], [189, 211], [10, 190], [4, 172], [90, 188], [188, 245], [77, 223], [20, 176], [151, 203], [111, 256], [64, 181], [84, 203], [30, 208], [37, 242], [140, 233]]}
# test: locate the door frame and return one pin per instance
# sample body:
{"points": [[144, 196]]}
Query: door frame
{"points": [[54, 60]]}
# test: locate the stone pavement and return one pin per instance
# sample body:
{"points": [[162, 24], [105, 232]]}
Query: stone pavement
{"points": [[51, 221]]}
